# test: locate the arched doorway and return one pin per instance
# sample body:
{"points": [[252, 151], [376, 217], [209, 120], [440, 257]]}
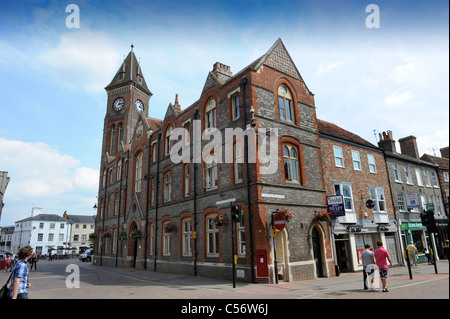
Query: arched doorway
{"points": [[282, 254], [317, 251], [132, 244]]}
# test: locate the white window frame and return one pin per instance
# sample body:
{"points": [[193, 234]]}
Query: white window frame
{"points": [[356, 160], [419, 177], [377, 196], [338, 156], [212, 237], [396, 173], [372, 163]]}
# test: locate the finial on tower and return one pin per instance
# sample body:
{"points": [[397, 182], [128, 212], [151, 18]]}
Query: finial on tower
{"points": [[132, 46]]}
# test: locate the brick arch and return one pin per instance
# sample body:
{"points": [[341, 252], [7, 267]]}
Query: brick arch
{"points": [[284, 81], [301, 160]]}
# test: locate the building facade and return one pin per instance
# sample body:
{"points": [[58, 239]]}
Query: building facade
{"points": [[414, 185], [81, 227], [45, 233], [161, 214], [356, 169], [4, 180]]}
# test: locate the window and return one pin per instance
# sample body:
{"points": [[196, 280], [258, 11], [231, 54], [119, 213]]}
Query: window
{"points": [[446, 179], [186, 180], [377, 195], [434, 178], [212, 242], [166, 240], [50, 237], [60, 237], [210, 115], [52, 225], [238, 160], [372, 164], [116, 204], [346, 191], [241, 238], [408, 175], [235, 106], [419, 177], [396, 173], [427, 179], [41, 225], [119, 170], [104, 177], [290, 156], [356, 161], [120, 134], [167, 186], [113, 139], [285, 103], [338, 156], [187, 136], [211, 172], [401, 201], [153, 190], [187, 237], [138, 172], [61, 225], [40, 237], [168, 140]]}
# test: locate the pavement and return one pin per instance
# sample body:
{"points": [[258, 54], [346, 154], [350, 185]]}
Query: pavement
{"points": [[72, 279]]}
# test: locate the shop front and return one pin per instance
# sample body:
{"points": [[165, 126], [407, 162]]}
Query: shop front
{"points": [[417, 233], [350, 240]]}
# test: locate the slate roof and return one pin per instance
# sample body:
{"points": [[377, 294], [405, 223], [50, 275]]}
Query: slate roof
{"points": [[440, 161], [330, 129], [45, 218]]}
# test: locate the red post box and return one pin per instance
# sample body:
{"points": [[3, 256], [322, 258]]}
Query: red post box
{"points": [[262, 269]]}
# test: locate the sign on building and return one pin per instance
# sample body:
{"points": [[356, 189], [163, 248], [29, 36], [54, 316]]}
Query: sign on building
{"points": [[336, 206], [412, 200]]}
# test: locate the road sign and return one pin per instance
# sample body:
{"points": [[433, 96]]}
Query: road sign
{"points": [[279, 222], [336, 206]]}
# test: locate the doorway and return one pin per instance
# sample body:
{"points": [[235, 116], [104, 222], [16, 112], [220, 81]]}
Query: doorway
{"points": [[343, 255], [317, 251]]}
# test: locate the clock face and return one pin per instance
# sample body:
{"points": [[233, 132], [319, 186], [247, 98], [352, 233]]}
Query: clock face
{"points": [[118, 104], [139, 106]]}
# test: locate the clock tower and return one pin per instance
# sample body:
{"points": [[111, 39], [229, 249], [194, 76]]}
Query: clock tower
{"points": [[128, 99]]}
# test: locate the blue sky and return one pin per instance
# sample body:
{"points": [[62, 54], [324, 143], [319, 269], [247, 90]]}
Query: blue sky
{"points": [[395, 77]]}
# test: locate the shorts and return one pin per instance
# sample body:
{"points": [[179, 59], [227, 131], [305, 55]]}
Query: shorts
{"points": [[383, 273]]}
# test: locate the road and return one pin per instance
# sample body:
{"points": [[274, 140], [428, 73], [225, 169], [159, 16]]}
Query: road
{"points": [[53, 280]]}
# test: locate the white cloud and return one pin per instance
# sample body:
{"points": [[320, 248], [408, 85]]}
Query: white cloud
{"points": [[327, 67], [399, 99], [82, 58], [41, 175]]}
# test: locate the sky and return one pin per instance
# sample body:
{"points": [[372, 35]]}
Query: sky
{"points": [[365, 79]]}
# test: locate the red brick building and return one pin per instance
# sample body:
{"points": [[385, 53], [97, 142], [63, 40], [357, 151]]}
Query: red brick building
{"points": [[356, 169], [161, 215]]}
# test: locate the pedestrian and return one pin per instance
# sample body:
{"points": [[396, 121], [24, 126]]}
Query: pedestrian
{"points": [[33, 260], [368, 260], [381, 256], [7, 262], [428, 255], [19, 277], [50, 255], [446, 250], [412, 252]]}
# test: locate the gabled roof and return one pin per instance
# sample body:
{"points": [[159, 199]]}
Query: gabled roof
{"points": [[129, 70], [330, 129]]}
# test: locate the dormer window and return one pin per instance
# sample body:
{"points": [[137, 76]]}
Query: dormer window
{"points": [[121, 76], [139, 78]]}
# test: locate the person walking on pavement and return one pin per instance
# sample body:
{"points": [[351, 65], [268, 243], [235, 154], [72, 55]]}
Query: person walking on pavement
{"points": [[368, 260], [412, 252], [7, 262], [381, 256], [33, 261], [19, 276]]}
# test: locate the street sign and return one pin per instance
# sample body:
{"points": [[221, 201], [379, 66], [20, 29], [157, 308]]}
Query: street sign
{"points": [[336, 206], [279, 222], [230, 200]]}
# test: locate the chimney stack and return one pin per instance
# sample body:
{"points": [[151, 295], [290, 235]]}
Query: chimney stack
{"points": [[444, 152], [408, 146], [222, 71], [387, 142], [65, 215]]}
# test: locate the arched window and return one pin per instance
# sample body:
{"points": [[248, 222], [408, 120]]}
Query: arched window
{"points": [[167, 186], [238, 160], [138, 178], [285, 103], [120, 134], [211, 172], [210, 115], [113, 139], [291, 165], [168, 140], [187, 237], [166, 239], [212, 240]]}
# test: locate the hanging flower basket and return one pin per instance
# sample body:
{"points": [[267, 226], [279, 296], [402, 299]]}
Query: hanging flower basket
{"points": [[136, 234], [122, 235], [92, 236], [220, 220], [322, 216], [287, 214], [170, 228], [106, 235]]}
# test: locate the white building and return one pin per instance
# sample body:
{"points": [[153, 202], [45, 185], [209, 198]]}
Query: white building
{"points": [[81, 227], [44, 233]]}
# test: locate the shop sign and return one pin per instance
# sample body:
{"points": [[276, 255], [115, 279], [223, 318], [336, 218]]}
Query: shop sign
{"points": [[412, 200], [413, 225], [336, 206]]}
